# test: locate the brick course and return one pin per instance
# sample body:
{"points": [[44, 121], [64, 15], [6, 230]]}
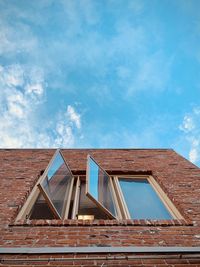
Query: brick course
{"points": [[180, 180]]}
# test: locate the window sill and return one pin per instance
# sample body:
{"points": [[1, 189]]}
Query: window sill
{"points": [[163, 223]]}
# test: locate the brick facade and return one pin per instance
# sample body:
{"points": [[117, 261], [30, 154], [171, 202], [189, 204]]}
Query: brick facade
{"points": [[180, 180]]}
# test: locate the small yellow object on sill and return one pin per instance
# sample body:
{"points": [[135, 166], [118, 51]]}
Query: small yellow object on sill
{"points": [[85, 217]]}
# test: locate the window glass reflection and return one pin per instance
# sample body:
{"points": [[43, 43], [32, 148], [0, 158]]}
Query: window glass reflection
{"points": [[142, 201], [100, 187], [57, 183], [87, 206]]}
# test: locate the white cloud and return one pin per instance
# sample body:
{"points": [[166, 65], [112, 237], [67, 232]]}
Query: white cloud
{"points": [[36, 89], [22, 95], [128, 42], [65, 136], [13, 76], [17, 107], [191, 128], [16, 104], [152, 73], [193, 155], [187, 124], [16, 41], [74, 116], [23, 88], [78, 13], [66, 125]]}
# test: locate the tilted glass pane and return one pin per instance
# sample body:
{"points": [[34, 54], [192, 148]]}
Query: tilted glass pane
{"points": [[87, 206], [57, 183], [100, 187], [142, 201], [41, 209]]}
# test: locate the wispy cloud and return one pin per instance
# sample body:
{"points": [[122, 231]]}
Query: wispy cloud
{"points": [[152, 73], [74, 117], [21, 98], [188, 124], [191, 128], [80, 12], [116, 59], [120, 49], [14, 42], [66, 126]]}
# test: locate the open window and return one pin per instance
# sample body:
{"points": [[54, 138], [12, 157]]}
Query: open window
{"points": [[50, 198], [56, 187], [99, 188], [59, 194]]}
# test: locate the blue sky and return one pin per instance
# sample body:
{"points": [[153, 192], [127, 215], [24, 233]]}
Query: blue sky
{"points": [[95, 73]]}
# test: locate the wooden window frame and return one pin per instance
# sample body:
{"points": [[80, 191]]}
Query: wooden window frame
{"points": [[76, 199], [67, 197], [118, 198], [38, 188], [156, 187], [89, 195]]}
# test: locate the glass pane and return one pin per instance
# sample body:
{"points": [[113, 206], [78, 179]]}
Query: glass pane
{"points": [[142, 201], [72, 201], [41, 209], [57, 184], [87, 206], [100, 187]]}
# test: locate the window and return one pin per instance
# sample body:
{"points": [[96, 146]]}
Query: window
{"points": [[97, 195], [144, 202], [99, 188], [56, 186], [142, 198]]}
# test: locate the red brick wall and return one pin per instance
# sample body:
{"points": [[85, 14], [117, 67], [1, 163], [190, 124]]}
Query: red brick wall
{"points": [[180, 180]]}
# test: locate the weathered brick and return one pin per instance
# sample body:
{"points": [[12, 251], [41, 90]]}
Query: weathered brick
{"points": [[180, 180]]}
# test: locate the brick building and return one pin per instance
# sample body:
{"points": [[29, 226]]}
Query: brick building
{"points": [[116, 207]]}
